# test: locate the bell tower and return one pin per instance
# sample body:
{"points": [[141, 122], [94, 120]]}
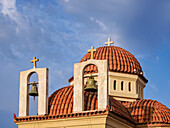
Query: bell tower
{"points": [[42, 91], [79, 68]]}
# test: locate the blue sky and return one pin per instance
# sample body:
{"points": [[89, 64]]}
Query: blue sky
{"points": [[59, 33]]}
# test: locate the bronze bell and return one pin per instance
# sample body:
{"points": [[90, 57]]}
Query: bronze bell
{"points": [[91, 85], [34, 90]]}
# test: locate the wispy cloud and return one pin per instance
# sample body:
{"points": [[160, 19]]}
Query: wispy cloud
{"points": [[153, 87], [60, 32], [66, 1], [101, 24], [9, 9]]}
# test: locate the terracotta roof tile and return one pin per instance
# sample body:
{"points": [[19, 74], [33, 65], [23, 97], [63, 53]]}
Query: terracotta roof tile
{"points": [[148, 112], [119, 60], [52, 117], [63, 103], [142, 112]]}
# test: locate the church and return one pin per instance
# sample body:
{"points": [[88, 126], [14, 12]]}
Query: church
{"points": [[106, 91]]}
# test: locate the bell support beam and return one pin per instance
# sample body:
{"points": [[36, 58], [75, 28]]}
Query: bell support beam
{"points": [[42, 91], [102, 66]]}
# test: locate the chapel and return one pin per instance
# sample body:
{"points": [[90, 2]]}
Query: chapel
{"points": [[106, 91]]}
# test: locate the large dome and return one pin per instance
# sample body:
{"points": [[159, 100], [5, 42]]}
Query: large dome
{"points": [[119, 60]]}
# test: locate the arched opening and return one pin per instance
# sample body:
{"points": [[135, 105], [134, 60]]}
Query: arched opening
{"points": [[90, 83], [122, 85], [129, 86], [114, 85], [33, 98], [90, 70]]}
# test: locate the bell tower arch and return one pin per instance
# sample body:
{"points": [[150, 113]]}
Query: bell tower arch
{"points": [[42, 91], [102, 66]]}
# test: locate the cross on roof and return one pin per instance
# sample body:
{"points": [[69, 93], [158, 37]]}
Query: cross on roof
{"points": [[34, 61], [109, 42], [92, 51]]}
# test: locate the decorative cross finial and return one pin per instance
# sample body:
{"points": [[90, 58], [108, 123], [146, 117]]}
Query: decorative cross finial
{"points": [[109, 42], [92, 51], [34, 61]]}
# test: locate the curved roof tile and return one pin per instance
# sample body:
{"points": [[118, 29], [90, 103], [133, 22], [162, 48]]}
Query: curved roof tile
{"points": [[61, 102], [148, 112], [119, 60], [142, 111]]}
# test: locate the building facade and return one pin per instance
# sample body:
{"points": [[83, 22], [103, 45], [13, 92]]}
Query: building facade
{"points": [[106, 91]]}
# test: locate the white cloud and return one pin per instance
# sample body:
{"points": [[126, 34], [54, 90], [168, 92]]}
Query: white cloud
{"points": [[153, 87], [66, 1], [100, 23], [91, 18], [9, 9]]}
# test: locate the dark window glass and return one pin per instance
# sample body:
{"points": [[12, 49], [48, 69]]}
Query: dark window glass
{"points": [[122, 85], [129, 86], [114, 85]]}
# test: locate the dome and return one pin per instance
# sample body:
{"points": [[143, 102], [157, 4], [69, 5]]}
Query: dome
{"points": [[140, 112], [61, 102], [148, 112], [119, 60]]}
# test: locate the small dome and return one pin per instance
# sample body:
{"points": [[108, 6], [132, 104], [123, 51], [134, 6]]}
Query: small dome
{"points": [[148, 112], [61, 102], [140, 112]]}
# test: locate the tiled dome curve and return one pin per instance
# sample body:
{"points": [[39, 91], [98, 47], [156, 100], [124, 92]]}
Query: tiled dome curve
{"points": [[61, 102], [148, 112], [119, 60], [141, 112]]}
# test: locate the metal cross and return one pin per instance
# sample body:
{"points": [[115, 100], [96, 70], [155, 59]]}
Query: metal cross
{"points": [[92, 51], [34, 61], [109, 42]]}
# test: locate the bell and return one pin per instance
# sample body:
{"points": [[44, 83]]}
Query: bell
{"points": [[33, 91], [91, 85]]}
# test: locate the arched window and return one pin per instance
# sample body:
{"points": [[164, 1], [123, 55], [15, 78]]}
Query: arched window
{"points": [[122, 85], [114, 85], [129, 86]]}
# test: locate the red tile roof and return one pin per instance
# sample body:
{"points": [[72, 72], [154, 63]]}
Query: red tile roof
{"points": [[148, 112], [61, 102], [144, 112], [119, 60], [52, 117]]}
